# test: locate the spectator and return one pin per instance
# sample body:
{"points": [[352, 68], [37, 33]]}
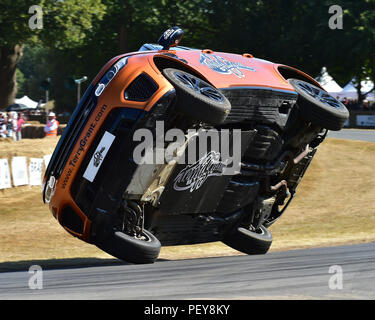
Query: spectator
{"points": [[52, 125], [20, 123], [366, 105], [3, 125], [12, 125]]}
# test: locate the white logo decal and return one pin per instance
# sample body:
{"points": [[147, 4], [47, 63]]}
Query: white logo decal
{"points": [[223, 66], [193, 176], [98, 157], [168, 33]]}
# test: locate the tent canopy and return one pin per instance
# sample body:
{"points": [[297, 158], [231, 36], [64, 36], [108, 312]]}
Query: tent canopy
{"points": [[350, 91], [327, 82], [16, 107], [366, 86], [25, 100]]}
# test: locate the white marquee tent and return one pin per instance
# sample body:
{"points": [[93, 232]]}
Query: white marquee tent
{"points": [[27, 102], [350, 91], [327, 82]]}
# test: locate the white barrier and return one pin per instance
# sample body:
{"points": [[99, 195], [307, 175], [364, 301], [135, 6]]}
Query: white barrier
{"points": [[4, 174], [365, 120], [21, 173], [35, 171]]}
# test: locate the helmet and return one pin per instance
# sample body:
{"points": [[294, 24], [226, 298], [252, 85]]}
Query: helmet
{"points": [[51, 114]]}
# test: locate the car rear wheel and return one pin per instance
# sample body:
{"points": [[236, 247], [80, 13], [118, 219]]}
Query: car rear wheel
{"points": [[319, 107], [140, 250], [250, 241], [197, 98]]}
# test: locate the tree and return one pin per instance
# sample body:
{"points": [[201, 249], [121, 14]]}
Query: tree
{"points": [[124, 27], [283, 31], [350, 52], [85, 34], [121, 26], [64, 24]]}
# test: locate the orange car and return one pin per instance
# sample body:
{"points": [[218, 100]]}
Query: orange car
{"points": [[172, 145]]}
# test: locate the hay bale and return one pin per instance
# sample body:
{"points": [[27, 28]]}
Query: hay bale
{"points": [[37, 131], [33, 132]]}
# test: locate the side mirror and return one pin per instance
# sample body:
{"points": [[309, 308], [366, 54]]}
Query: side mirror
{"points": [[171, 38]]}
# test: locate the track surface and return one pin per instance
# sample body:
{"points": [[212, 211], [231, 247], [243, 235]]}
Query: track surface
{"points": [[353, 134], [299, 274]]}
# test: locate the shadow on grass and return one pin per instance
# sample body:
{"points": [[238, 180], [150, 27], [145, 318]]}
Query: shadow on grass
{"points": [[49, 264]]}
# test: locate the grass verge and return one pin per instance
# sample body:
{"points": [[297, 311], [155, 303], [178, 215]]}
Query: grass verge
{"points": [[334, 205]]}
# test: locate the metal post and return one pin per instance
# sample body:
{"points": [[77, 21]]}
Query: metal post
{"points": [[78, 82], [78, 92]]}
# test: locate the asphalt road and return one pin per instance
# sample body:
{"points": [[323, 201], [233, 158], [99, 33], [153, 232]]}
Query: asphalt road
{"points": [[346, 272], [353, 134]]}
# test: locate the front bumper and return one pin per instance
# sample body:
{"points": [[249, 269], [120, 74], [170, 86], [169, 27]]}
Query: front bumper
{"points": [[73, 200]]}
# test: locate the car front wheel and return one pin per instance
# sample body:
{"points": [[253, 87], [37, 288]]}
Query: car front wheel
{"points": [[141, 249]]}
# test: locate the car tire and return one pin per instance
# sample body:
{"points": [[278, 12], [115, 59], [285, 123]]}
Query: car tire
{"points": [[319, 107], [250, 242], [131, 249], [198, 99]]}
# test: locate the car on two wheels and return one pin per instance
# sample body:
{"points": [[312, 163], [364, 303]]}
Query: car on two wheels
{"points": [[101, 194]]}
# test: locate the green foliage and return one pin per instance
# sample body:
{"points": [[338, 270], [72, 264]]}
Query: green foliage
{"points": [[14, 18], [21, 81], [67, 22], [79, 36], [64, 22]]}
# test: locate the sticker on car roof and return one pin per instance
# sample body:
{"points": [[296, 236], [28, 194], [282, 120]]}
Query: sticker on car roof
{"points": [[98, 157], [224, 66]]}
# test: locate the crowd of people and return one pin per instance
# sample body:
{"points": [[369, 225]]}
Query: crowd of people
{"points": [[353, 104], [11, 124]]}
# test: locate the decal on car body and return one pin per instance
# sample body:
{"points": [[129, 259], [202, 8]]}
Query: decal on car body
{"points": [[224, 66], [82, 145], [98, 157], [193, 176]]}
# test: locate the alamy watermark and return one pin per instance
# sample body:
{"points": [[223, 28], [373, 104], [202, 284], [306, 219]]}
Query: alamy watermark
{"points": [[336, 20], [219, 150], [336, 281], [36, 20], [36, 278]]}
